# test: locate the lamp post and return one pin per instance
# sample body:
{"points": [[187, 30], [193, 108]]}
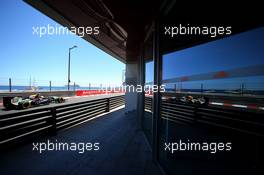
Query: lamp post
{"points": [[69, 66]]}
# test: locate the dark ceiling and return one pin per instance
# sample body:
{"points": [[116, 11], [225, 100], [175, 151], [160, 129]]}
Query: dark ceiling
{"points": [[240, 15], [123, 23]]}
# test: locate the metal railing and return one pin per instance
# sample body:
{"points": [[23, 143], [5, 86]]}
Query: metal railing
{"points": [[19, 126], [238, 120], [25, 85], [148, 103]]}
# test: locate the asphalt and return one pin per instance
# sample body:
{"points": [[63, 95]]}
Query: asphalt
{"points": [[123, 150]]}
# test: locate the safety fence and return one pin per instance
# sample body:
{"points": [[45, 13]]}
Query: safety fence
{"points": [[97, 92], [236, 119], [19, 126]]}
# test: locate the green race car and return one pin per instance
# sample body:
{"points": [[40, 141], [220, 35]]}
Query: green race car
{"points": [[31, 101]]}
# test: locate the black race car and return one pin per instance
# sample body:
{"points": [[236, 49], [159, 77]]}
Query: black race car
{"points": [[31, 101]]}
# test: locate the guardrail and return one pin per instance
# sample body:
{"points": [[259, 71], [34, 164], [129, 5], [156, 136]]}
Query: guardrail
{"points": [[148, 103], [237, 120], [22, 125]]}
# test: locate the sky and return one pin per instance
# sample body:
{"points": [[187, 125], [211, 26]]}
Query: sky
{"points": [[241, 50], [149, 74], [25, 55], [237, 51]]}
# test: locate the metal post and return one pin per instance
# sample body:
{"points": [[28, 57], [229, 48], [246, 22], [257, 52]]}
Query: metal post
{"points": [[157, 95], [141, 96], [242, 88], [52, 121], [69, 67], [74, 87], [50, 85], [108, 105], [10, 85]]}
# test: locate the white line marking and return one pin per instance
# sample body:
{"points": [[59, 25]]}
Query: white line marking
{"points": [[240, 106], [216, 103]]}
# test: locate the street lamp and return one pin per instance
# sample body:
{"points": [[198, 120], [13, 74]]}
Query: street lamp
{"points": [[69, 66]]}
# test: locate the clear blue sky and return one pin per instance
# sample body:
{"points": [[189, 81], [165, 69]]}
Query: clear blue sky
{"points": [[24, 54], [241, 50]]}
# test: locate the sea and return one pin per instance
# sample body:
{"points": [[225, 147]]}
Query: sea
{"points": [[5, 88], [45, 88]]}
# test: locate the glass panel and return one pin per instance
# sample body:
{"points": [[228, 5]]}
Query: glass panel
{"points": [[212, 106], [149, 72]]}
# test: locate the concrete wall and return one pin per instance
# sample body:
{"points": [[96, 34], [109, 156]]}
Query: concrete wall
{"points": [[131, 79]]}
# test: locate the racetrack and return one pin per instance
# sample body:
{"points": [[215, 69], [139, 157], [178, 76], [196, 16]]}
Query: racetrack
{"points": [[69, 100]]}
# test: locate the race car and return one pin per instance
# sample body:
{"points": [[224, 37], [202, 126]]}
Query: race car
{"points": [[55, 99], [186, 100], [192, 100], [31, 101]]}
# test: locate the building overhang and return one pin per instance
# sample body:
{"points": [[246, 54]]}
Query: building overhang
{"points": [[123, 24]]}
